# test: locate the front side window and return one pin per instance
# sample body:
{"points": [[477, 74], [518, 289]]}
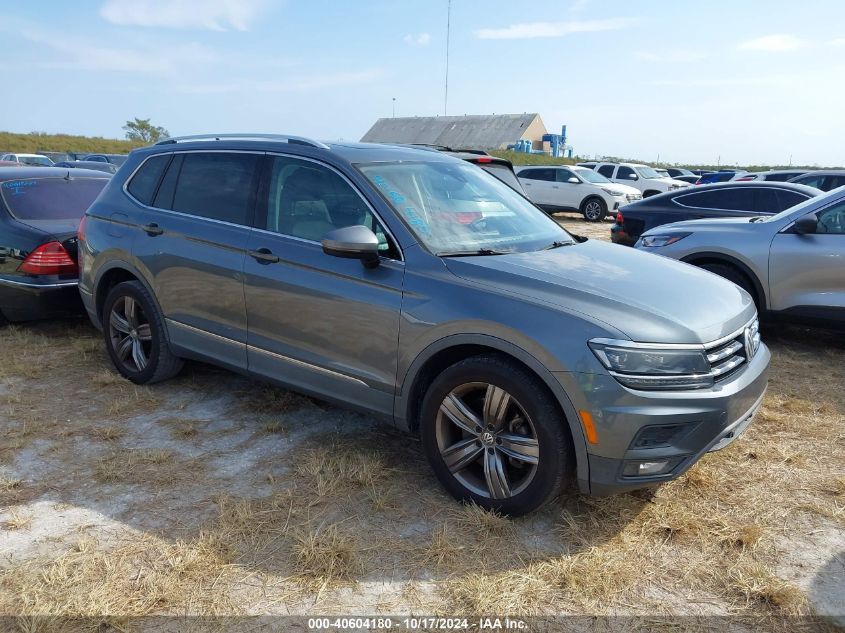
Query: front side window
{"points": [[832, 220], [50, 198], [217, 185], [307, 200], [625, 172], [563, 175], [455, 209]]}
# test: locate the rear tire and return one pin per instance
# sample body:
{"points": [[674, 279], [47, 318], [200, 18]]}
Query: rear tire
{"points": [[494, 436], [594, 209], [736, 276], [3, 320], [135, 336]]}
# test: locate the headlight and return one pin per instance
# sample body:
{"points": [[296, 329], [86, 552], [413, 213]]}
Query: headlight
{"points": [[652, 366], [612, 192], [656, 241]]}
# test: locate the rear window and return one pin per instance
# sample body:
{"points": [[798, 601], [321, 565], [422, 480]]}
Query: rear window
{"points": [[503, 173], [50, 198]]}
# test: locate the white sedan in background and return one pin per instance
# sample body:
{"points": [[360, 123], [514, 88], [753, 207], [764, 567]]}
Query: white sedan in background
{"points": [[572, 188]]}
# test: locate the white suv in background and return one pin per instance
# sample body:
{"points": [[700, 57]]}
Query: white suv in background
{"points": [[28, 159], [571, 188], [641, 177]]}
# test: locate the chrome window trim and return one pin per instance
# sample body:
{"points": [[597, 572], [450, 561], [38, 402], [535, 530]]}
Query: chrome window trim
{"points": [[126, 182]]}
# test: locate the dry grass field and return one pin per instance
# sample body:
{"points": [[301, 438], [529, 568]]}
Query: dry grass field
{"points": [[214, 494]]}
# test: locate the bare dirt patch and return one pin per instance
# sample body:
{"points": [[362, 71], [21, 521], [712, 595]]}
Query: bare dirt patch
{"points": [[214, 494]]}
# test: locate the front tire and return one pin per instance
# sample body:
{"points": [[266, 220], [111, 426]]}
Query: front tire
{"points": [[135, 336], [494, 436], [594, 209]]}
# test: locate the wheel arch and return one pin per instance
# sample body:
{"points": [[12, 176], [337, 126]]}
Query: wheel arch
{"points": [[451, 349], [708, 257], [109, 277]]}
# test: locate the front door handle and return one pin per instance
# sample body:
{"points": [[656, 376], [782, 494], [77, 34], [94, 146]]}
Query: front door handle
{"points": [[153, 229], [264, 256]]}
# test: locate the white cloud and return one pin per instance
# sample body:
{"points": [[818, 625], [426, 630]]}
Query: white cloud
{"points": [[778, 43], [417, 40], [678, 56], [553, 29], [838, 41], [217, 15]]}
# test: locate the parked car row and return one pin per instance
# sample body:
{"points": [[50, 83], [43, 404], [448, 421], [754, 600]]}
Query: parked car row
{"points": [[65, 159], [423, 287]]}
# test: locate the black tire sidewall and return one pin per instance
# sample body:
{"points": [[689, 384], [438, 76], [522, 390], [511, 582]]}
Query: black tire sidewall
{"points": [[135, 290], [555, 463], [733, 275], [601, 202]]}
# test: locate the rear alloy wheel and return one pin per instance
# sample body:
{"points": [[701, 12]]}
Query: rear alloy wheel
{"points": [[494, 436], [135, 336], [594, 209]]}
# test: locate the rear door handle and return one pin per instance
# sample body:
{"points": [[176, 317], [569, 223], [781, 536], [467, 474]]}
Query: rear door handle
{"points": [[153, 229], [264, 256]]}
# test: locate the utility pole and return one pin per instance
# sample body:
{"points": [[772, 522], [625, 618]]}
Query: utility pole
{"points": [[394, 107], [448, 29]]}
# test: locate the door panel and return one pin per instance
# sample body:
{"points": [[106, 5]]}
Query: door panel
{"points": [[319, 323], [809, 270], [567, 194]]}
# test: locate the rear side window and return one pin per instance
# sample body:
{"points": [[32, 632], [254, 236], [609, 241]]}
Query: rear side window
{"points": [[606, 171], [51, 198], [217, 185], [538, 174], [143, 185], [727, 199]]}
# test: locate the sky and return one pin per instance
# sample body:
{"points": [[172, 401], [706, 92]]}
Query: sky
{"points": [[684, 82]]}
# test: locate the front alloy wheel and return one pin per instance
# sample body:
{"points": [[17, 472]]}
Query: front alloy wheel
{"points": [[495, 435], [594, 210], [487, 441]]}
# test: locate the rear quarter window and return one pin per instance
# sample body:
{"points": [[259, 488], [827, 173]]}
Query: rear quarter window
{"points": [[144, 183]]}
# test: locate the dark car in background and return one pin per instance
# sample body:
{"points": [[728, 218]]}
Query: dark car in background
{"points": [[114, 159], [679, 173], [108, 168], [501, 168], [721, 200], [40, 210], [719, 176], [824, 179]]}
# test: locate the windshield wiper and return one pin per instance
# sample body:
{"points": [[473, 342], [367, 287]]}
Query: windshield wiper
{"points": [[480, 251], [555, 244]]}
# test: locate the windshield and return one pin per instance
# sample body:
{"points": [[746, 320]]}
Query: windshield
{"points": [[647, 172], [590, 176], [50, 198], [455, 208], [36, 160]]}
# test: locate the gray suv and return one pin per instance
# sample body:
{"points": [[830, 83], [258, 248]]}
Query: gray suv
{"points": [[418, 288]]}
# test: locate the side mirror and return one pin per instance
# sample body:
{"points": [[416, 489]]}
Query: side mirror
{"points": [[352, 242], [633, 176], [574, 180], [807, 225]]}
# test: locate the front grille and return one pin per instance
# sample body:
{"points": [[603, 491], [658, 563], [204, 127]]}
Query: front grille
{"points": [[728, 357]]}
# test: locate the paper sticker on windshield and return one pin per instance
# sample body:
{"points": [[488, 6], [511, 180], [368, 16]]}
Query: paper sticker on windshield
{"points": [[17, 187]]}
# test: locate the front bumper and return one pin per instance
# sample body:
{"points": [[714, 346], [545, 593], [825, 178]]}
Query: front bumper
{"points": [[30, 299], [704, 420]]}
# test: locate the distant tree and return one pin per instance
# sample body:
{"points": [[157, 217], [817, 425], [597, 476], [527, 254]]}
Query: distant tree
{"points": [[143, 130]]}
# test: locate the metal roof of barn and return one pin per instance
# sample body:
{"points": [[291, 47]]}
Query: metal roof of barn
{"points": [[481, 131]]}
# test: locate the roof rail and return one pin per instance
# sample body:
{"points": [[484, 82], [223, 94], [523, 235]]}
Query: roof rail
{"points": [[294, 140]]}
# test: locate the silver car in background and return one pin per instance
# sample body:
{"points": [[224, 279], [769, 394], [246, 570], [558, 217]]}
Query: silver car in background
{"points": [[792, 263]]}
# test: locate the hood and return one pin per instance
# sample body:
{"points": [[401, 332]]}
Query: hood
{"points": [[617, 186], [647, 297]]}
